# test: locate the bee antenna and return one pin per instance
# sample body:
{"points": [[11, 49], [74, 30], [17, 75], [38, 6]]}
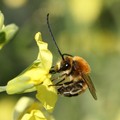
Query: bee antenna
{"points": [[53, 37]]}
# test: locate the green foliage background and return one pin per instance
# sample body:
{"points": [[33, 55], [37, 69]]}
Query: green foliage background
{"points": [[91, 32]]}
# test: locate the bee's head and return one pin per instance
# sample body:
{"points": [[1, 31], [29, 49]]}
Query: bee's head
{"points": [[65, 64]]}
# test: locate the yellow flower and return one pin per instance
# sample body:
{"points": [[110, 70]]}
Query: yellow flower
{"points": [[34, 115], [36, 77], [35, 74], [29, 109]]}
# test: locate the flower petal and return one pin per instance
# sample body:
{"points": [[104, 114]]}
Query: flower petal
{"points": [[47, 95], [30, 109], [44, 55], [1, 20], [34, 115], [19, 85], [10, 30]]}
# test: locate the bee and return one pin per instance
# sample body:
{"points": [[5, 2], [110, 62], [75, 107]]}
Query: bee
{"points": [[73, 73]]}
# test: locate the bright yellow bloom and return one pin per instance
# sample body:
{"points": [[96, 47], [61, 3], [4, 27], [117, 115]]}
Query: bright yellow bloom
{"points": [[34, 115], [29, 109], [36, 77], [35, 74]]}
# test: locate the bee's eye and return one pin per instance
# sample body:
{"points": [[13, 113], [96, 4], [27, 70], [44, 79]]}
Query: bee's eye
{"points": [[65, 66]]}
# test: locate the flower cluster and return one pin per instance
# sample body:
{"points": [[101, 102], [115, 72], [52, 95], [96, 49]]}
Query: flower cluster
{"points": [[36, 78]]}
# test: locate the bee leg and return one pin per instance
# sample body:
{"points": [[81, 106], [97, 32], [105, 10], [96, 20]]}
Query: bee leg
{"points": [[58, 83], [57, 78], [63, 84], [52, 70]]}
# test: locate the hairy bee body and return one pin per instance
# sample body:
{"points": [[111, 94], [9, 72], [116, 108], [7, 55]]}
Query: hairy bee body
{"points": [[72, 89], [74, 78]]}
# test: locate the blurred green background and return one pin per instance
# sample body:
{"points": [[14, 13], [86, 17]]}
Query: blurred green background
{"points": [[88, 28]]}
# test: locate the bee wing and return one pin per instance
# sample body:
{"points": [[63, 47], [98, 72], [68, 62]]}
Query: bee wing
{"points": [[90, 85]]}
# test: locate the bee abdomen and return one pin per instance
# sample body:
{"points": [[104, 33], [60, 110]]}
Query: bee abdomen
{"points": [[73, 88]]}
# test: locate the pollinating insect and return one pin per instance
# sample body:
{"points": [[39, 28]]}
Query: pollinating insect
{"points": [[73, 73]]}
